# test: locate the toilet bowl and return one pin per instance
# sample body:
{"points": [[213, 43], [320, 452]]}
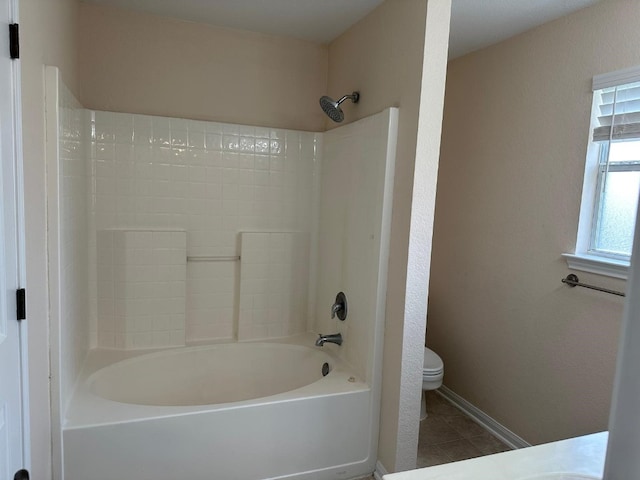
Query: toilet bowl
{"points": [[432, 374]]}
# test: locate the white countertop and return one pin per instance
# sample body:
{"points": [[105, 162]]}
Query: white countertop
{"points": [[583, 456]]}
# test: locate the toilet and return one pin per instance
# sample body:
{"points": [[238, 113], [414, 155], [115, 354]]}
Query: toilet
{"points": [[432, 374]]}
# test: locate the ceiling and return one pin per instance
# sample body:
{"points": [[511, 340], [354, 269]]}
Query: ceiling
{"points": [[474, 23]]}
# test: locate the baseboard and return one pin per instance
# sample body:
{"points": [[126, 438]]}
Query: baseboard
{"points": [[380, 471], [484, 420]]}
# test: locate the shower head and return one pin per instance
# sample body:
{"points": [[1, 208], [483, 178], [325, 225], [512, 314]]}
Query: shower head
{"points": [[332, 108]]}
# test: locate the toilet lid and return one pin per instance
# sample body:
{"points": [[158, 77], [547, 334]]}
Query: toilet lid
{"points": [[432, 364]]}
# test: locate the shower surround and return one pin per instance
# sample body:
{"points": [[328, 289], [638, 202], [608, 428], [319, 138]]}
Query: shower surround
{"points": [[213, 182], [203, 233]]}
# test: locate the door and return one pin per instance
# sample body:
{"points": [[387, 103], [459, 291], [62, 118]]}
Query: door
{"points": [[12, 447]]}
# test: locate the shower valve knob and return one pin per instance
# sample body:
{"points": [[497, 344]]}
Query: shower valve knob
{"points": [[339, 307]]}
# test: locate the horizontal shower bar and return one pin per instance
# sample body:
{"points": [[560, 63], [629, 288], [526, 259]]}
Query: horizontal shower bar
{"points": [[221, 258], [573, 281]]}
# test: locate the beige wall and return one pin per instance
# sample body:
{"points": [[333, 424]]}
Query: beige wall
{"points": [[140, 63], [535, 355], [48, 37], [382, 57]]}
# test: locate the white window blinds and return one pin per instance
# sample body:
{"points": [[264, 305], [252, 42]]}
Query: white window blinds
{"points": [[618, 97]]}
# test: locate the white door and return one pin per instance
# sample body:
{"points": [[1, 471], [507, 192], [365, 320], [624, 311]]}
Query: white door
{"points": [[12, 448]]}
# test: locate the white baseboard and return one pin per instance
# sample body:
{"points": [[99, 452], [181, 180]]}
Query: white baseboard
{"points": [[492, 426], [380, 471]]}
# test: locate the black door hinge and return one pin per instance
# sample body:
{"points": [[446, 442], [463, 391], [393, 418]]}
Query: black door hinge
{"points": [[14, 40], [21, 475], [21, 304]]}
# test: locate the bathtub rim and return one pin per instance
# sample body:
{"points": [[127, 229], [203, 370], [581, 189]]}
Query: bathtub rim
{"points": [[87, 409]]}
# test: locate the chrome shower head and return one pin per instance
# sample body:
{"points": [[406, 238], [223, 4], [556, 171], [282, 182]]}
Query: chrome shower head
{"points": [[332, 108]]}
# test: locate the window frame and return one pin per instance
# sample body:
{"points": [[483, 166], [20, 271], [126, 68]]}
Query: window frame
{"points": [[585, 258]]}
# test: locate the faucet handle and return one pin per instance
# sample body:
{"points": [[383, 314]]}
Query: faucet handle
{"points": [[339, 307]]}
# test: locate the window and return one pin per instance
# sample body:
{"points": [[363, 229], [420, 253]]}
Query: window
{"points": [[612, 177], [615, 213]]}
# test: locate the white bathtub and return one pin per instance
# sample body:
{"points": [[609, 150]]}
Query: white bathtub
{"points": [[246, 411]]}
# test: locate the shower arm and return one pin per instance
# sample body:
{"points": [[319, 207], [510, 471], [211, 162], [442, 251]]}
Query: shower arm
{"points": [[353, 96]]}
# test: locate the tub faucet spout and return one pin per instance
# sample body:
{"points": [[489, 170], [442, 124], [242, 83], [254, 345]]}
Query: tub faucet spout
{"points": [[333, 338]]}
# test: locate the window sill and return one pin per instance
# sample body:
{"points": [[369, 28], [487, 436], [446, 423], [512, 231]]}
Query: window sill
{"points": [[599, 265]]}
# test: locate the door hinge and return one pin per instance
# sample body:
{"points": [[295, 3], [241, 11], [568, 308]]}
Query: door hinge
{"points": [[14, 40], [21, 304], [21, 475]]}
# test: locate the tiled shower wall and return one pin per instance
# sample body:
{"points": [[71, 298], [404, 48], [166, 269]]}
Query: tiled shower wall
{"points": [[141, 288], [209, 179], [355, 220], [73, 229], [274, 285]]}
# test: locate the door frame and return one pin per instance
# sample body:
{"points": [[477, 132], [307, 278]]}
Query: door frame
{"points": [[16, 93]]}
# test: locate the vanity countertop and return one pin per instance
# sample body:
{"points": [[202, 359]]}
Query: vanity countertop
{"points": [[583, 456]]}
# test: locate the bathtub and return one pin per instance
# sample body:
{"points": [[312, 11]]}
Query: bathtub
{"points": [[245, 411]]}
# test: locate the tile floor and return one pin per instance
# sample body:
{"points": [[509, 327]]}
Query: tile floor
{"points": [[448, 435]]}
